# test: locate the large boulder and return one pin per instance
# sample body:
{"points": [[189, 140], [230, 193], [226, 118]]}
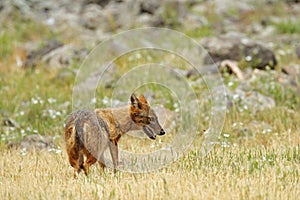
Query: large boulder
{"points": [[238, 48], [54, 54]]}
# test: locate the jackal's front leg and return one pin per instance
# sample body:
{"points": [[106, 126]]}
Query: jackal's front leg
{"points": [[113, 147]]}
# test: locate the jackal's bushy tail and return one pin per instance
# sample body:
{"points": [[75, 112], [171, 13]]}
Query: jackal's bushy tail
{"points": [[91, 133]]}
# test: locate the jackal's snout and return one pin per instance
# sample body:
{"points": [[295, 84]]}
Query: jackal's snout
{"points": [[144, 116], [162, 132]]}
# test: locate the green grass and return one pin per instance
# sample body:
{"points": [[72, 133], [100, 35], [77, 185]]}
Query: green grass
{"points": [[288, 26], [5, 43], [204, 31]]}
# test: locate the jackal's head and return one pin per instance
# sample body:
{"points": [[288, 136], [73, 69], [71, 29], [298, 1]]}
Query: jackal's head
{"points": [[144, 116]]}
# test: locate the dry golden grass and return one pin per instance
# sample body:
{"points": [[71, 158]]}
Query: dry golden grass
{"points": [[227, 173]]}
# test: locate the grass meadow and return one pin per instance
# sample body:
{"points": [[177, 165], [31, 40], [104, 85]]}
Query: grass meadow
{"points": [[247, 171], [254, 164]]}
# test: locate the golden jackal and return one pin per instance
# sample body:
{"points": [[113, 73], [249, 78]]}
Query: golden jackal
{"points": [[89, 133]]}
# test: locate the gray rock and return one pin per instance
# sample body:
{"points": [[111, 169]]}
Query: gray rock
{"points": [[55, 54], [99, 2], [226, 7], [255, 101], [92, 16], [33, 142], [144, 20], [110, 18], [35, 56], [292, 1], [150, 6], [251, 101], [171, 13], [238, 48], [64, 56], [221, 48], [6, 10], [126, 13], [297, 51], [259, 56], [192, 21], [289, 70], [100, 78]]}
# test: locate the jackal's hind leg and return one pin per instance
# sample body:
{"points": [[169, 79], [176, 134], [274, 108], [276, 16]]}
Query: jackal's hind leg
{"points": [[101, 162], [90, 160], [80, 162], [74, 163], [74, 160], [102, 165]]}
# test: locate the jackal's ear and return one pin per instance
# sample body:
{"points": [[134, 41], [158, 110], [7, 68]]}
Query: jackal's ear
{"points": [[142, 99], [134, 100]]}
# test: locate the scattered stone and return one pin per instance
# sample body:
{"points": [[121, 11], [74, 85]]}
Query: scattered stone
{"points": [[33, 142]]}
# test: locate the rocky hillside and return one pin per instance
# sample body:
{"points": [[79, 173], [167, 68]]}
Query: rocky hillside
{"points": [[268, 30]]}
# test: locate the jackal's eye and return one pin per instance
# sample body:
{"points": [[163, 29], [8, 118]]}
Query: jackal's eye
{"points": [[146, 120]]}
